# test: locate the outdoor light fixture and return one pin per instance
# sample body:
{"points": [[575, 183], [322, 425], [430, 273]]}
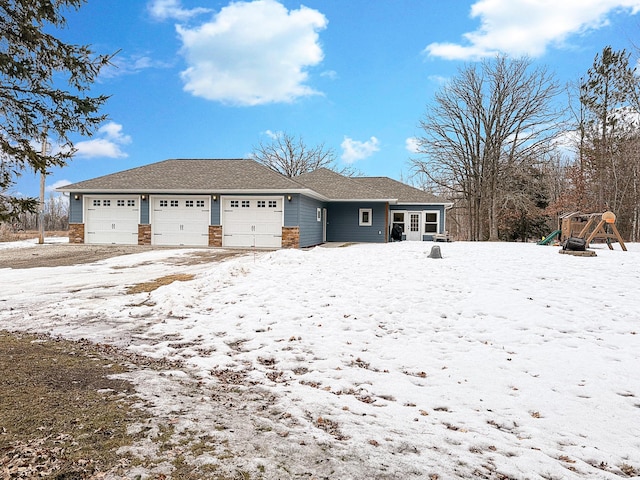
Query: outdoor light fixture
{"points": [[76, 197], [215, 198], [289, 198], [143, 197]]}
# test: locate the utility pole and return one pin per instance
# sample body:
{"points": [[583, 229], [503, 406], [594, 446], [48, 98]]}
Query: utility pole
{"points": [[43, 174]]}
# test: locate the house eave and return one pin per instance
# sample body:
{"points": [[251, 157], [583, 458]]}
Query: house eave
{"points": [[201, 191], [360, 200], [446, 204]]}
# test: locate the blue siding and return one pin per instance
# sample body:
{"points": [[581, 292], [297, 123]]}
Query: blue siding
{"points": [[216, 209], [301, 212], [310, 227], [292, 211], [343, 222], [75, 208], [144, 211]]}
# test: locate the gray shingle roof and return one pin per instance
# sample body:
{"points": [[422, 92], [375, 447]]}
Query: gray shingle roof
{"points": [[191, 175], [220, 175], [403, 192], [338, 187]]}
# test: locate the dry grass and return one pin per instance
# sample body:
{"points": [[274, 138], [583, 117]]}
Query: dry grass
{"points": [[147, 287], [9, 235], [61, 416]]}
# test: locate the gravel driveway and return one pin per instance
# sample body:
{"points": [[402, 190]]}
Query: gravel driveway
{"points": [[62, 254]]}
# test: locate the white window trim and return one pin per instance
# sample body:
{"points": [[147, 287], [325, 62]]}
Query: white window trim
{"points": [[360, 212], [424, 222]]}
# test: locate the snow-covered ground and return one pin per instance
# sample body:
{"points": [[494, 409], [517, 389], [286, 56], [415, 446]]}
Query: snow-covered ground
{"points": [[500, 360]]}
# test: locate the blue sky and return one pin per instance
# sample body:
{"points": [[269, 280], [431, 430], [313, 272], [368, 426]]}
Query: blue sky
{"points": [[211, 79]]}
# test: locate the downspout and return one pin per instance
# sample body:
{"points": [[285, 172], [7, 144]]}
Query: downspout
{"points": [[447, 206]]}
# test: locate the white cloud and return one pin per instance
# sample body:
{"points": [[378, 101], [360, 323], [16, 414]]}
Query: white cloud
{"points": [[354, 150], [253, 53], [527, 28], [272, 135], [566, 143], [58, 184], [411, 144], [165, 9], [128, 65], [330, 74], [109, 143], [113, 131]]}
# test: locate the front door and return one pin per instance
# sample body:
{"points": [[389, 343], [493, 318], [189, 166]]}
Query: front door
{"points": [[413, 232]]}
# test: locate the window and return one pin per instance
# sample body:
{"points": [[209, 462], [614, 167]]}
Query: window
{"points": [[131, 203], [96, 203], [106, 203], [414, 222], [175, 203], [246, 203], [120, 203], [234, 203], [200, 203], [164, 203], [430, 222], [365, 217], [188, 203], [261, 203], [273, 203], [319, 214], [398, 219]]}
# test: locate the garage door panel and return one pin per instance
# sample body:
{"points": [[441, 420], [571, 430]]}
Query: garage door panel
{"points": [[239, 240], [252, 221], [238, 228], [180, 221], [111, 219]]}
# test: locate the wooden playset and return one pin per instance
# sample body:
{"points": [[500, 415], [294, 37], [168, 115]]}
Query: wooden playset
{"points": [[591, 227]]}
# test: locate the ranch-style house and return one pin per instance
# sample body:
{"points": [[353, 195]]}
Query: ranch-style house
{"points": [[241, 203]]}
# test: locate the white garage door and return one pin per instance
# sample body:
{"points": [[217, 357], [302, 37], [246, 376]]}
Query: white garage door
{"points": [[111, 219], [252, 222], [180, 220]]}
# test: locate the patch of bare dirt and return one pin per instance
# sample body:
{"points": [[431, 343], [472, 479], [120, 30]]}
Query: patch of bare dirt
{"points": [[64, 254], [147, 287], [62, 415]]}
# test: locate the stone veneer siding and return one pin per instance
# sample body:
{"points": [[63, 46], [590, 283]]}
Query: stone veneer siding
{"points": [[76, 233], [290, 237], [215, 235], [144, 234]]}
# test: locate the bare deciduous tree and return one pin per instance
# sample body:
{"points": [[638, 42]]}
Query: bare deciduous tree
{"points": [[491, 119], [291, 156]]}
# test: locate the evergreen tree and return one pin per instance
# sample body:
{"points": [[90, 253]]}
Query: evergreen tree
{"points": [[44, 84]]}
